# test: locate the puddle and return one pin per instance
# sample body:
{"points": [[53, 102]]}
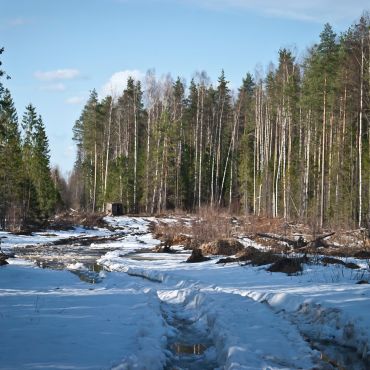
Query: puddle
{"points": [[188, 349], [88, 276], [95, 267]]}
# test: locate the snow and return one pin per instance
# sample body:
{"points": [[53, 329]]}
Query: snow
{"points": [[8, 240], [50, 319], [246, 317]]}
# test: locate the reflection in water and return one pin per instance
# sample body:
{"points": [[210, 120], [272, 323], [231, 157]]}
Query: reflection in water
{"points": [[91, 274], [189, 349]]}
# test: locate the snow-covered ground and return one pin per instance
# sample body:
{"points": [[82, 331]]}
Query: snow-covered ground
{"points": [[151, 310], [9, 241]]}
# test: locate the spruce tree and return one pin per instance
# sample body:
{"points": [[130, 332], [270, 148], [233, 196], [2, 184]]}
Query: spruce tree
{"points": [[40, 193]]}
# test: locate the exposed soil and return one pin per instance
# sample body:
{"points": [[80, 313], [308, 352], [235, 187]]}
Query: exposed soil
{"points": [[287, 265], [335, 261], [3, 259], [331, 261], [197, 256], [252, 256]]}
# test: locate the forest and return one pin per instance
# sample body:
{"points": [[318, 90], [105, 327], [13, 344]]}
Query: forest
{"points": [[291, 142], [28, 194]]}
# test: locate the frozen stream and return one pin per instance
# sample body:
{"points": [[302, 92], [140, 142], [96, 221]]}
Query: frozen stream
{"points": [[112, 303]]}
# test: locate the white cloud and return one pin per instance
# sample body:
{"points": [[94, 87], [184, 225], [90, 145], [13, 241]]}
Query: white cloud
{"points": [[75, 100], [307, 10], [118, 81], [59, 74], [16, 22], [53, 87]]}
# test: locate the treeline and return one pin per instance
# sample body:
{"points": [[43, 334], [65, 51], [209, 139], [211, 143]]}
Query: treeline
{"points": [[28, 194], [293, 143]]}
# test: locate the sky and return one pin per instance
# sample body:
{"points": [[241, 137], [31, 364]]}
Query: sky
{"points": [[57, 51]]}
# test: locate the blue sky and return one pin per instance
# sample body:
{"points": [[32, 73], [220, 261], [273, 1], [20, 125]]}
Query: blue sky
{"points": [[57, 51]]}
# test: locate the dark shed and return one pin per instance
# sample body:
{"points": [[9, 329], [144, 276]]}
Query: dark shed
{"points": [[114, 209]]}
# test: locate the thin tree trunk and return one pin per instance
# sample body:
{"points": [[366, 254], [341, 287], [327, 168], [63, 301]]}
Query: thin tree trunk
{"points": [[108, 145], [360, 136], [200, 150], [323, 158], [95, 176], [135, 153], [147, 160]]}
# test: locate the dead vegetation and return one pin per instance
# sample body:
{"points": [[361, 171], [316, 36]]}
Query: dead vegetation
{"points": [[225, 247], [276, 234], [217, 233]]}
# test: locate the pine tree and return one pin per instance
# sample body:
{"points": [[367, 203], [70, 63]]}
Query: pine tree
{"points": [[11, 163]]}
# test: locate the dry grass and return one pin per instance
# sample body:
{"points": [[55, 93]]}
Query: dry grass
{"points": [[193, 231], [225, 247], [209, 225]]}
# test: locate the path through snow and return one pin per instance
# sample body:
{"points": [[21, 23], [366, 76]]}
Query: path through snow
{"points": [[148, 310]]}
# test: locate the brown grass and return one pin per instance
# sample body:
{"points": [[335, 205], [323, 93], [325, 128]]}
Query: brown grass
{"points": [[210, 224], [225, 247]]}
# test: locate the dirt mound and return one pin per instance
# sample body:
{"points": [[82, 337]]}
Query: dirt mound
{"points": [[197, 256], [362, 254], [351, 265], [3, 260], [288, 265], [174, 239], [226, 247], [332, 261], [264, 258], [227, 260], [336, 261], [362, 282], [163, 249], [253, 256]]}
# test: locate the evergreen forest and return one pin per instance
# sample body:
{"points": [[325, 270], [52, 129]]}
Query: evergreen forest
{"points": [[28, 194]]}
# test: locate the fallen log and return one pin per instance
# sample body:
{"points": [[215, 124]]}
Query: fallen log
{"points": [[320, 242], [299, 243]]}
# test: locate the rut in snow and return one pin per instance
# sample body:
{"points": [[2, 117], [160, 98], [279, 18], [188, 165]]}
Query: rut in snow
{"points": [[190, 345]]}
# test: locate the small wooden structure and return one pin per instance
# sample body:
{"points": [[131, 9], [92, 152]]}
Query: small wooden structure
{"points": [[114, 209]]}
